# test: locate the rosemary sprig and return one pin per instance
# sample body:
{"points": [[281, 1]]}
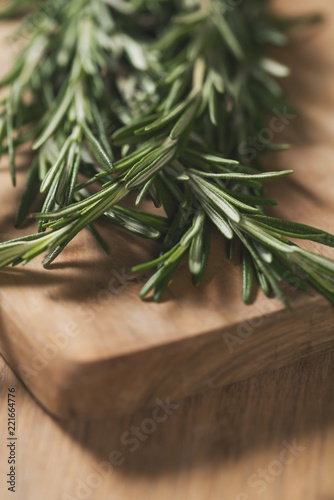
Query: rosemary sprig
{"points": [[179, 87]]}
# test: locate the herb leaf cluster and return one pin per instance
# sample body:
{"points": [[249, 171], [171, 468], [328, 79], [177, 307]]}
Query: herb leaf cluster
{"points": [[154, 97]]}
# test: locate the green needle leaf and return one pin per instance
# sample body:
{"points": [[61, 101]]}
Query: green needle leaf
{"points": [[98, 150], [55, 120], [29, 194], [58, 166], [248, 274], [9, 117]]}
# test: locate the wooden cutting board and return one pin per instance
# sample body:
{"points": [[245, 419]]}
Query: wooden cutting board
{"points": [[86, 346]]}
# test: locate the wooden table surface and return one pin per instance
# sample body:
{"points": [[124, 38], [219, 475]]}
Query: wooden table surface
{"points": [[228, 444]]}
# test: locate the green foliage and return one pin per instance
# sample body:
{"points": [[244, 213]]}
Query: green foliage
{"points": [[158, 97]]}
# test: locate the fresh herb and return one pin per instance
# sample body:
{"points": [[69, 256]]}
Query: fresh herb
{"points": [[157, 97]]}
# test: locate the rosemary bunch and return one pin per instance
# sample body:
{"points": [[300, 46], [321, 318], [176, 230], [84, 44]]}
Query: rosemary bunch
{"points": [[180, 87]]}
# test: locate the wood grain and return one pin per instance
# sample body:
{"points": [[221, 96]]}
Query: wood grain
{"points": [[85, 345], [212, 447]]}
